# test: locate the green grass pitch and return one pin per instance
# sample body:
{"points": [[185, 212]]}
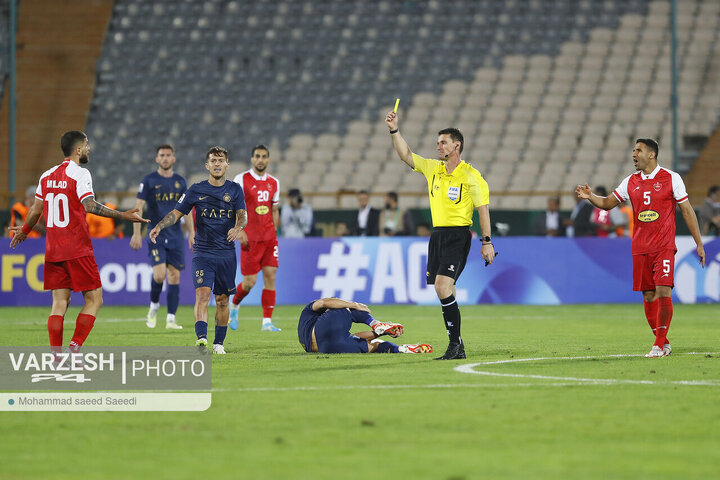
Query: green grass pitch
{"points": [[280, 413]]}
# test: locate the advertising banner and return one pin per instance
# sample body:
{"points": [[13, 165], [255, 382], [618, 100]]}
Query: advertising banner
{"points": [[528, 270]]}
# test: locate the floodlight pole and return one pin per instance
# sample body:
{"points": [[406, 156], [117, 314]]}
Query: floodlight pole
{"points": [[11, 100], [674, 79]]}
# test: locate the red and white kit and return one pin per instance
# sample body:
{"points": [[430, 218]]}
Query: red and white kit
{"points": [[69, 257], [653, 198], [261, 194]]}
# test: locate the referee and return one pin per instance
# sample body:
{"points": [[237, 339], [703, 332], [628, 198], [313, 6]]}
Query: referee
{"points": [[455, 188]]}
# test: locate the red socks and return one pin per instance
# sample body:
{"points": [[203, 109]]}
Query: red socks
{"points": [[665, 313], [651, 313], [84, 324], [55, 330], [239, 295], [268, 302]]}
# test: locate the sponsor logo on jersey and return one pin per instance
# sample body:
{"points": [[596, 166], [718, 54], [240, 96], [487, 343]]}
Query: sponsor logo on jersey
{"points": [[262, 209], [453, 193], [219, 213], [227, 198], [657, 186], [648, 216]]}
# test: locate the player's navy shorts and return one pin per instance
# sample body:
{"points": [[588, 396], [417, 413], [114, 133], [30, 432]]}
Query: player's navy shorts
{"points": [[169, 251], [216, 272], [447, 252], [332, 333]]}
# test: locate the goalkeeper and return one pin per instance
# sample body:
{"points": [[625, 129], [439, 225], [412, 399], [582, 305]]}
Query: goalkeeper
{"points": [[324, 327]]}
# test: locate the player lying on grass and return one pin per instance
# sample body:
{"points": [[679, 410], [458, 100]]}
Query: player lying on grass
{"points": [[324, 327]]}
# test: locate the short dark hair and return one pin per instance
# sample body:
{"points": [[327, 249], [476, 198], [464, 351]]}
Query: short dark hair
{"points": [[259, 147], [216, 151], [363, 192], [713, 190], [70, 139], [165, 146], [393, 195], [651, 144], [600, 190], [455, 135]]}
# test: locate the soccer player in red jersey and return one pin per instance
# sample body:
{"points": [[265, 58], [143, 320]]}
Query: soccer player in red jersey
{"points": [[63, 196], [653, 192], [259, 244]]}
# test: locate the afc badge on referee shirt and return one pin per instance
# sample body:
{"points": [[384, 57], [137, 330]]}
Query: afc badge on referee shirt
{"points": [[453, 193]]}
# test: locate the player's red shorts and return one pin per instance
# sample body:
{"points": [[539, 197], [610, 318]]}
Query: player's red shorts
{"points": [[256, 255], [78, 274], [654, 269]]}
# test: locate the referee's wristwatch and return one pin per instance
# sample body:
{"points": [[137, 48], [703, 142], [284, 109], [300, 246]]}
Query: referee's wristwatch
{"points": [[486, 240]]}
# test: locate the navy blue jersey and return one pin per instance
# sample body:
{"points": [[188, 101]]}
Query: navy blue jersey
{"points": [[308, 319], [161, 194], [215, 209]]}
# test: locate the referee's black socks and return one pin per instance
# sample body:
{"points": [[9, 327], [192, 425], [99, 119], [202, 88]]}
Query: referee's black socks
{"points": [[451, 315]]}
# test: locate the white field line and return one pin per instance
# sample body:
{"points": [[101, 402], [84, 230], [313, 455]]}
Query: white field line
{"points": [[470, 368]]}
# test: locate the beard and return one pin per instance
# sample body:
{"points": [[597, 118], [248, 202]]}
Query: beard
{"points": [[84, 159]]}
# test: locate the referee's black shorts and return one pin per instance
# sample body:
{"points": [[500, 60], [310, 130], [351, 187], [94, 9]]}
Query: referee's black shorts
{"points": [[447, 252]]}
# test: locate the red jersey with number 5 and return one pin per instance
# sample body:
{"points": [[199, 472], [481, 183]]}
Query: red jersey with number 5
{"points": [[261, 193], [653, 199], [62, 189]]}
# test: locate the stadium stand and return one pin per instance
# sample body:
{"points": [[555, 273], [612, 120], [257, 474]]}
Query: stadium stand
{"points": [[547, 93]]}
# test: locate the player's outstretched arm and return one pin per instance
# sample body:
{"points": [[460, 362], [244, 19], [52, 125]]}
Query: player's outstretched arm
{"points": [[606, 203], [401, 146], [169, 220], [92, 206], [691, 221], [136, 239], [32, 218], [240, 222]]}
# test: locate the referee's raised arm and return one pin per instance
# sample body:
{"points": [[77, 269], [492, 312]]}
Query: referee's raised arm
{"points": [[401, 146]]}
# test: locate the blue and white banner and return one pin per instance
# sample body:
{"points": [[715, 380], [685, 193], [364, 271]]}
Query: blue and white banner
{"points": [[528, 270]]}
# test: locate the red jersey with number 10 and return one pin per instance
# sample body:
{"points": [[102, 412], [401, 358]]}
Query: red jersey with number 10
{"points": [[261, 193], [653, 199], [62, 189]]}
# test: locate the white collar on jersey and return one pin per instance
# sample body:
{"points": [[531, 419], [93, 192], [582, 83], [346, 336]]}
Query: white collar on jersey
{"points": [[256, 176], [652, 174]]}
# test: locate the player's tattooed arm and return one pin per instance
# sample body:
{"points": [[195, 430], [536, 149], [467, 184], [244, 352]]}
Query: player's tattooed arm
{"points": [[236, 233], [241, 219], [169, 220], [92, 206]]}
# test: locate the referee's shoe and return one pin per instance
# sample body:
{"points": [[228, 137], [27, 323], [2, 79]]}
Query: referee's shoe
{"points": [[455, 351]]}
